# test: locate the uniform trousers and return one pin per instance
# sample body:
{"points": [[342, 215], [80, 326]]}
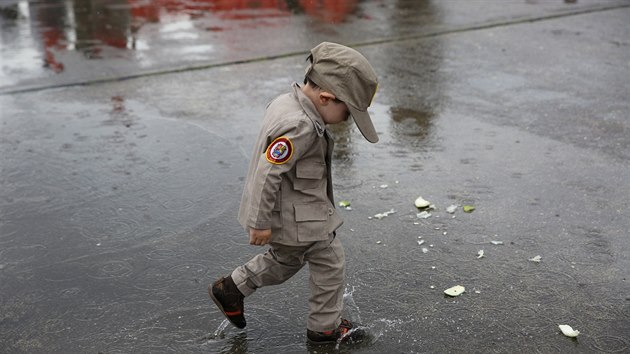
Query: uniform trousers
{"points": [[326, 263]]}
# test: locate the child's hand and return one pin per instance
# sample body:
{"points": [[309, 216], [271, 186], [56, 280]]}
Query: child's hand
{"points": [[259, 237]]}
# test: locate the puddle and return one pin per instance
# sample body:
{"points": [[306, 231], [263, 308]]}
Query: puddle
{"points": [[49, 38]]}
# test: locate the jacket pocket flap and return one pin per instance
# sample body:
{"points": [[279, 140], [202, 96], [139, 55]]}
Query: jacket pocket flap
{"points": [[310, 170], [311, 212]]}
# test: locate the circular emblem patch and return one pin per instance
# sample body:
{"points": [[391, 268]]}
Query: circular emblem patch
{"points": [[279, 151]]}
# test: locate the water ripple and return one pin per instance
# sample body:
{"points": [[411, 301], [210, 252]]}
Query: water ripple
{"points": [[110, 270], [610, 344]]}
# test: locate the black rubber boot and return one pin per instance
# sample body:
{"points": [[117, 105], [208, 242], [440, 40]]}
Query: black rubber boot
{"points": [[346, 332], [229, 300]]}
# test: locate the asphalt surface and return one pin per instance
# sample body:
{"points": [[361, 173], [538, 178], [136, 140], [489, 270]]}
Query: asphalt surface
{"points": [[126, 131]]}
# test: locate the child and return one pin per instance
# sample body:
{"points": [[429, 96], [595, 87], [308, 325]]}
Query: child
{"points": [[288, 200]]}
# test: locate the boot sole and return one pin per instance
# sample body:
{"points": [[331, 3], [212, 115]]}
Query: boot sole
{"points": [[218, 303], [351, 338], [316, 342]]}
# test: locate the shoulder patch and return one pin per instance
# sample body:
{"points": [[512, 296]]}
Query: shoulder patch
{"points": [[279, 151]]}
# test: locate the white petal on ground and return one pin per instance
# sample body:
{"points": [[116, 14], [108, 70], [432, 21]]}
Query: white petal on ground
{"points": [[421, 203], [480, 254], [455, 291], [423, 215], [451, 209], [536, 259], [382, 215], [568, 331]]}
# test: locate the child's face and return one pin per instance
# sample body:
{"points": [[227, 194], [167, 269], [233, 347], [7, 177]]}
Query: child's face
{"points": [[335, 112]]}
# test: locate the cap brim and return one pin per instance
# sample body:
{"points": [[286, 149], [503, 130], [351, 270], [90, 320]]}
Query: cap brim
{"points": [[364, 123]]}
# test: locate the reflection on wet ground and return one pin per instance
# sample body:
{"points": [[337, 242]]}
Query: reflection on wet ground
{"points": [[48, 43], [131, 29], [92, 27]]}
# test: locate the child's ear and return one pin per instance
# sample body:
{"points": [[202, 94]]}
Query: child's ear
{"points": [[325, 97]]}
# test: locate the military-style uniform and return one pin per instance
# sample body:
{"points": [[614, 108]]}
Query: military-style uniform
{"points": [[289, 190]]}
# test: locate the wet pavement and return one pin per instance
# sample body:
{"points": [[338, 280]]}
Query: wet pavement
{"points": [[126, 128]]}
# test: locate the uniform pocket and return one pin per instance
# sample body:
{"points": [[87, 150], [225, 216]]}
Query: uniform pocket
{"points": [[312, 221], [309, 175]]}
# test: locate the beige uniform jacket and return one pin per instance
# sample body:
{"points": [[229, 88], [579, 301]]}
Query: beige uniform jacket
{"points": [[293, 197]]}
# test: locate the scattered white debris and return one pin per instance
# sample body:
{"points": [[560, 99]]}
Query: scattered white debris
{"points": [[477, 292], [496, 242], [432, 287], [444, 233], [431, 246], [421, 203], [536, 259], [420, 242], [382, 215], [383, 186], [423, 215], [425, 250], [451, 209], [379, 242], [455, 291], [480, 254], [352, 230], [432, 267], [98, 244], [568, 331], [396, 182]]}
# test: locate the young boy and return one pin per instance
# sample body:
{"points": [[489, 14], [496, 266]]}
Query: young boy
{"points": [[288, 200]]}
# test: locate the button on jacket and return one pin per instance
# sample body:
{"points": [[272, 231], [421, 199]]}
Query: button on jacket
{"points": [[293, 198]]}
